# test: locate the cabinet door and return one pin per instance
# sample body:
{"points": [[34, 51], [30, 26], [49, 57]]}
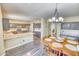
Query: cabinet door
{"points": [[26, 39], [72, 26], [65, 26], [75, 26], [12, 43]]}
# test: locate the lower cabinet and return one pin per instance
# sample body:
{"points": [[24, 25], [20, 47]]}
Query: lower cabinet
{"points": [[15, 42]]}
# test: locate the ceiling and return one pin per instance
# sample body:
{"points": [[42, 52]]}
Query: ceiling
{"points": [[41, 10]]}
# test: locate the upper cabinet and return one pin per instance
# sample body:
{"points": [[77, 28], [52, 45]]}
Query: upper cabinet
{"points": [[65, 26], [71, 26], [14, 25], [75, 26]]}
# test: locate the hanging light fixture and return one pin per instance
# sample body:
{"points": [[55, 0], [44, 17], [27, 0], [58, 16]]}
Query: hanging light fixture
{"points": [[56, 17]]}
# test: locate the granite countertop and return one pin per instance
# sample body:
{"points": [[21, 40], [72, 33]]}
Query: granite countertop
{"points": [[11, 35]]}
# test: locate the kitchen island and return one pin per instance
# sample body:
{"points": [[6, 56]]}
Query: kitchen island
{"points": [[15, 40]]}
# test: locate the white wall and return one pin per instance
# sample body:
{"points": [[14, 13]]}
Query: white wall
{"points": [[49, 28], [52, 27], [44, 28], [72, 19], [58, 29], [1, 35], [31, 27]]}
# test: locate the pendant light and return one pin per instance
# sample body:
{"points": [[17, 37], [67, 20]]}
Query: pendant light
{"points": [[57, 17]]}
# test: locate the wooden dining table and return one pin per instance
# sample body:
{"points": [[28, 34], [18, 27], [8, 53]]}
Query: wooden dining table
{"points": [[63, 49]]}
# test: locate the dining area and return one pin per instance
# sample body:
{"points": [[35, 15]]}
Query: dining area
{"points": [[61, 46], [63, 39]]}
